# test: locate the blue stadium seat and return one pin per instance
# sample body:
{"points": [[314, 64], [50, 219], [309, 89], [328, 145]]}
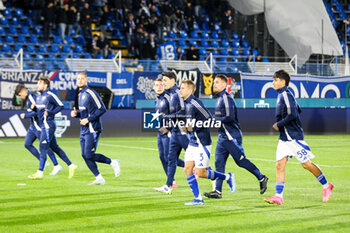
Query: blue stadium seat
{"points": [[73, 32], [28, 22], [37, 66], [7, 13], [55, 48], [61, 65], [235, 44], [15, 21], [21, 39], [64, 55], [214, 44], [81, 40], [183, 34], [265, 59], [225, 44], [12, 30], [194, 43], [34, 39], [111, 56], [27, 56], [66, 48], [182, 43], [43, 48], [224, 52], [172, 34], [52, 56], [76, 55], [87, 56], [79, 49], [4, 21], [215, 35], [194, 35], [203, 52], [19, 13], [205, 35], [235, 59], [235, 36], [204, 43], [31, 48], [69, 40], [37, 30], [234, 69], [223, 59], [99, 56], [109, 25], [25, 30], [245, 44], [18, 47], [9, 39], [246, 52], [215, 52], [49, 66], [116, 33], [57, 40], [39, 56], [3, 55], [6, 48], [2, 31], [255, 52], [235, 52], [195, 26]]}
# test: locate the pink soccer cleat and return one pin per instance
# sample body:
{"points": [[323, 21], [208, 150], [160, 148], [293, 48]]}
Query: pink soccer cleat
{"points": [[174, 186], [327, 192], [274, 200]]}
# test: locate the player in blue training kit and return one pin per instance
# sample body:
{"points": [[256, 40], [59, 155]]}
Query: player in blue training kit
{"points": [[230, 138], [291, 140], [178, 139], [91, 108], [47, 105], [34, 130], [197, 127]]}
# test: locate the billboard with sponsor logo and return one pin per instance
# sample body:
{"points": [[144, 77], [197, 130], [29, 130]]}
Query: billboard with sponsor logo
{"points": [[233, 87]]}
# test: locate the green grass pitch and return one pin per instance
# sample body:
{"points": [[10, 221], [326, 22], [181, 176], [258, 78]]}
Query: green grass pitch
{"points": [[129, 203]]}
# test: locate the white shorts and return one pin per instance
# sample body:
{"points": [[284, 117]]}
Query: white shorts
{"points": [[295, 148], [199, 154]]}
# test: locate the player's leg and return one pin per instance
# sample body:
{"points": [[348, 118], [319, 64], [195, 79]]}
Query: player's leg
{"points": [[43, 146], [162, 152], [28, 143], [174, 152], [183, 139], [190, 177], [57, 168]]}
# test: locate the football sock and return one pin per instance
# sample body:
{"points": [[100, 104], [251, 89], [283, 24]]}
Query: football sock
{"points": [[192, 182], [322, 179], [213, 175], [279, 188]]}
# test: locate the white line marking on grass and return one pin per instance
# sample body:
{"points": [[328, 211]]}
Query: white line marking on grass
{"points": [[266, 160]]}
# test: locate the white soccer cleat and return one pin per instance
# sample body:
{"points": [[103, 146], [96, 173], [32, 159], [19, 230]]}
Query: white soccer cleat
{"points": [[164, 189], [98, 181], [116, 167], [47, 163], [56, 169], [37, 175]]}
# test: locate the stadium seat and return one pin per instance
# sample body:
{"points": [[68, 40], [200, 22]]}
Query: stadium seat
{"points": [[81, 40], [79, 49], [194, 35], [116, 33], [37, 66], [6, 48], [182, 43], [215, 35], [12, 30], [28, 22], [61, 65], [9, 39], [245, 44], [195, 26], [19, 13], [246, 52], [172, 34], [25, 30], [55, 48], [205, 35], [223, 59], [183, 34], [203, 52], [4, 21], [235, 36], [87, 56], [255, 52], [37, 30], [64, 55], [3, 55], [235, 59], [66, 48], [27, 56], [31, 48], [7, 13], [204, 43], [39, 56], [18, 47], [34, 39], [49, 66], [215, 52], [73, 32], [109, 25], [224, 52], [111, 56], [76, 55], [194, 43], [52, 56], [14, 21], [57, 40], [43, 48], [265, 59], [235, 52], [99, 56], [2, 31], [225, 44], [234, 69], [214, 44], [235, 44], [69, 40]]}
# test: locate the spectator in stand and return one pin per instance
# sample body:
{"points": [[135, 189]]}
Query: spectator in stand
{"points": [[192, 54], [140, 38], [155, 26], [227, 23], [189, 15], [168, 14], [179, 24], [97, 5], [62, 17], [103, 20], [94, 46], [49, 19], [179, 54], [150, 48], [38, 6], [129, 27], [72, 19], [103, 45]]}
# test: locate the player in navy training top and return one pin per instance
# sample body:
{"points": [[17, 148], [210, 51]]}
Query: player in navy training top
{"points": [[34, 130], [230, 137], [47, 105], [291, 140], [91, 108]]}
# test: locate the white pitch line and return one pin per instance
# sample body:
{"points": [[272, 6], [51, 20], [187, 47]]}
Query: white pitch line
{"points": [[266, 160]]}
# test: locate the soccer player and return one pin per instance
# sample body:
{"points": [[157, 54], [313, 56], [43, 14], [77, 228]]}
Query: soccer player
{"points": [[230, 137], [34, 130], [291, 140], [178, 139], [198, 151], [47, 105], [91, 108]]}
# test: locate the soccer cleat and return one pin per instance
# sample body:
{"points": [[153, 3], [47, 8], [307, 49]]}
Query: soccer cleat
{"points": [[231, 182], [56, 169], [36, 176], [174, 186], [72, 168], [116, 167], [195, 202], [98, 181], [327, 192], [263, 184], [274, 200], [164, 189], [214, 194]]}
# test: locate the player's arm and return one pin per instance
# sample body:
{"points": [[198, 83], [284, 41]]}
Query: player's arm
{"points": [[228, 113], [95, 101], [56, 102], [179, 101], [30, 113], [292, 110], [75, 113]]}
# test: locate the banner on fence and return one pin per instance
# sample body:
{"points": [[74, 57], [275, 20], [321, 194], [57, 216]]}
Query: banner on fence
{"points": [[233, 87]]}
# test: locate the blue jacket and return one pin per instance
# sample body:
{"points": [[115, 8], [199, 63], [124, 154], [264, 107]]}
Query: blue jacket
{"points": [[176, 107], [226, 112], [31, 99], [287, 116], [195, 110], [162, 105], [92, 108], [47, 100]]}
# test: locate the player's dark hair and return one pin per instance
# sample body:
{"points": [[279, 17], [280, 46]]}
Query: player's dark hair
{"points": [[222, 77], [190, 83], [282, 74], [158, 80], [170, 75], [19, 88], [46, 80]]}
